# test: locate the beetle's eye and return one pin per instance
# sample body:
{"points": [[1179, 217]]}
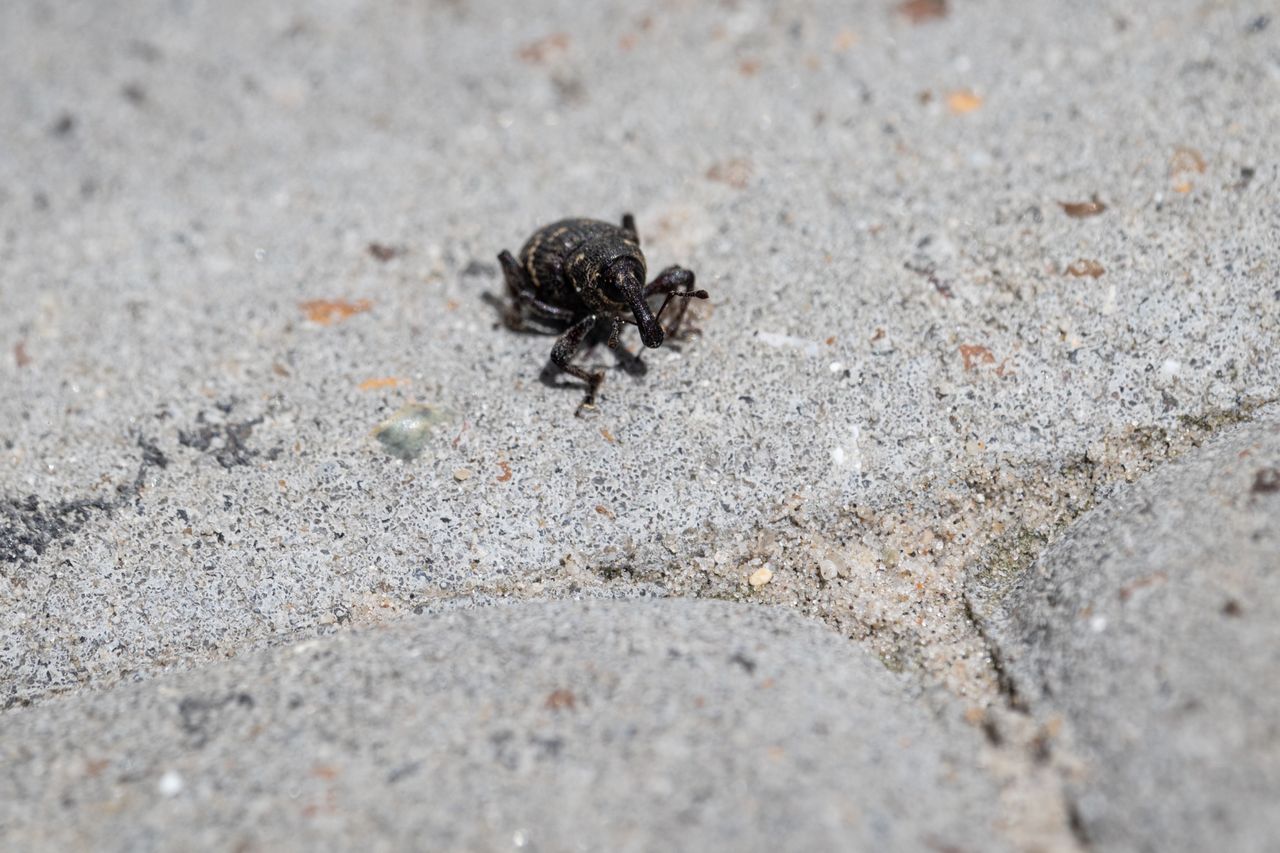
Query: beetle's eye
{"points": [[610, 291], [623, 273]]}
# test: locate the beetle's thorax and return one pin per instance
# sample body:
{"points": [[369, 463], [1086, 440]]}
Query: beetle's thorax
{"points": [[595, 266]]}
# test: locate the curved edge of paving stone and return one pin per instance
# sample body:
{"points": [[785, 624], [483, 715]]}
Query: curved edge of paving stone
{"points": [[1153, 628], [639, 725]]}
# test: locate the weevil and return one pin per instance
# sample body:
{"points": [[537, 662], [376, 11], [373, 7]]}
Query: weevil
{"points": [[576, 274]]}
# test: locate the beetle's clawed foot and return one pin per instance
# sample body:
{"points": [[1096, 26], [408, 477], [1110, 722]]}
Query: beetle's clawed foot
{"points": [[513, 319], [588, 405]]}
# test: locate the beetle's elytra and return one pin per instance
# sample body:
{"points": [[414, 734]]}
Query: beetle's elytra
{"points": [[576, 273]]}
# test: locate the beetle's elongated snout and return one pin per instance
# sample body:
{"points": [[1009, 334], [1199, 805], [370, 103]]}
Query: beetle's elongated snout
{"points": [[633, 294], [650, 328]]}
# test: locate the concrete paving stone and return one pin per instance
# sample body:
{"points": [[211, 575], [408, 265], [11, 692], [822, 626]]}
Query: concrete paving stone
{"points": [[656, 725], [1153, 629], [234, 241]]}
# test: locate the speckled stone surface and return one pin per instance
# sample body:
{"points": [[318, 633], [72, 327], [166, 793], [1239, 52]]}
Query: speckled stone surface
{"points": [[973, 265], [624, 726], [1153, 628], [189, 192]]}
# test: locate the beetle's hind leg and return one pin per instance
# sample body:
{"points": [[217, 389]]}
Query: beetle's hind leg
{"points": [[517, 285], [629, 225], [674, 283], [524, 298], [566, 347], [517, 279]]}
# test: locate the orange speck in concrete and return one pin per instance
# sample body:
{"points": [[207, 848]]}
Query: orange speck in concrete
{"points": [[1086, 267], [1186, 160], [543, 49], [382, 382], [975, 354], [963, 101], [920, 11], [328, 311], [845, 39]]}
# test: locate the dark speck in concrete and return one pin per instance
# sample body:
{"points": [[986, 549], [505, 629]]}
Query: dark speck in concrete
{"points": [[479, 268], [200, 715], [228, 443], [65, 124], [28, 526], [403, 771], [134, 94]]}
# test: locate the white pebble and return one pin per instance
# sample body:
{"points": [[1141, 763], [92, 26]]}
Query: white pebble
{"points": [[170, 784]]}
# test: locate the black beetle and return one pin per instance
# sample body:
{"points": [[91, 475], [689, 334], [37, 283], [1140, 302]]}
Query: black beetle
{"points": [[578, 272]]}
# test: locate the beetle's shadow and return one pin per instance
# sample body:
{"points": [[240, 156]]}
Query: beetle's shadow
{"points": [[551, 376]]}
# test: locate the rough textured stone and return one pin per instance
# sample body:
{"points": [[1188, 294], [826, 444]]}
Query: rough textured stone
{"points": [[972, 263], [600, 726], [1153, 628], [245, 237]]}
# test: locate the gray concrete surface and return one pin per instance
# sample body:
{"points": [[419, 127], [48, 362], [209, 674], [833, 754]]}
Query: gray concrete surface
{"points": [[1153, 629], [656, 725], [179, 180], [235, 242]]}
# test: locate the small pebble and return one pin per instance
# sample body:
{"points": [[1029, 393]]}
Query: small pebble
{"points": [[461, 474], [760, 577], [170, 784], [406, 433], [573, 563], [1169, 371]]}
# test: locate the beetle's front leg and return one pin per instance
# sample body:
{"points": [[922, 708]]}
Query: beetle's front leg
{"points": [[615, 329], [630, 361], [675, 283], [566, 347]]}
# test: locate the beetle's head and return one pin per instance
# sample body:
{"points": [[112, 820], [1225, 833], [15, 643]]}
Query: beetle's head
{"points": [[625, 284]]}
